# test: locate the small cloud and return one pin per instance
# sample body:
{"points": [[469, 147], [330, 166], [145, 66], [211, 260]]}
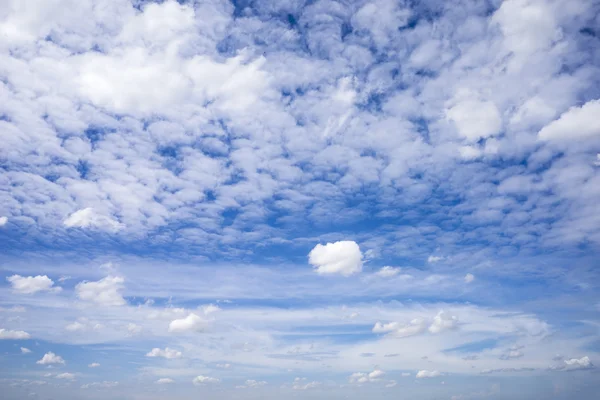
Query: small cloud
{"points": [[94, 365], [105, 292], [13, 335], [25, 350], [443, 322], [89, 218], [391, 384], [579, 363], [427, 374], [223, 366], [3, 221], [164, 381], [469, 278], [388, 272], [364, 377], [203, 380], [166, 353], [32, 284], [434, 259], [367, 354], [65, 375], [191, 323], [133, 329], [50, 358], [343, 258]]}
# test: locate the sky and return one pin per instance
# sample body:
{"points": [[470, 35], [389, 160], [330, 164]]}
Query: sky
{"points": [[383, 199]]}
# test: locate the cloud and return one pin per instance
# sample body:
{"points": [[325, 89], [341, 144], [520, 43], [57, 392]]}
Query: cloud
{"points": [[203, 380], [89, 218], [388, 272], [433, 259], [251, 383], [166, 353], [475, 119], [13, 335], [469, 278], [301, 384], [415, 327], [50, 358], [100, 385], [343, 257], [579, 363], [24, 350], [65, 375], [164, 381], [105, 292], [366, 377], [191, 323], [427, 374], [443, 322], [83, 325], [32, 284], [575, 124], [94, 365], [3, 221]]}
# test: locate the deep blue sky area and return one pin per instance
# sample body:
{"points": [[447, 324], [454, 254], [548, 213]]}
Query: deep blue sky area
{"points": [[310, 199]]}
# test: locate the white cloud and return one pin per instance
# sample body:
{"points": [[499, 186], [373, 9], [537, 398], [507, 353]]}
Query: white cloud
{"points": [[366, 377], [475, 119], [50, 358], [415, 327], [434, 259], [443, 322], [32, 284], [223, 366], [83, 325], [251, 383], [391, 384], [427, 374], [15, 335], [301, 384], [133, 329], [166, 353], [469, 278], [164, 381], [343, 257], [25, 350], [105, 292], [65, 375], [388, 272], [203, 380], [579, 363], [576, 123], [89, 218], [94, 365], [3, 221], [102, 385], [191, 323]]}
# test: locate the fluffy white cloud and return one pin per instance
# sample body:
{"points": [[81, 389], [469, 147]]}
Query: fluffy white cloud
{"points": [[166, 353], [579, 363], [388, 272], [203, 380], [164, 381], [301, 384], [134, 329], [365, 377], [343, 257], [105, 292], [414, 327], [102, 385], [3, 221], [576, 123], [433, 259], [32, 284], [25, 350], [475, 119], [469, 278], [251, 383], [50, 358], [191, 323], [66, 375], [7, 334], [89, 218], [427, 374], [83, 325], [443, 322], [94, 365]]}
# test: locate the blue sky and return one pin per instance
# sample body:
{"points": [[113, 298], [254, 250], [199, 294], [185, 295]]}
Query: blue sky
{"points": [[311, 199]]}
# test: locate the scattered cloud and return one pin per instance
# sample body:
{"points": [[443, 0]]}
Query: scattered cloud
{"points": [[32, 284], [469, 278], [204, 380], [191, 323], [166, 353], [13, 335], [105, 292], [343, 258], [427, 374], [50, 358], [164, 381], [94, 365]]}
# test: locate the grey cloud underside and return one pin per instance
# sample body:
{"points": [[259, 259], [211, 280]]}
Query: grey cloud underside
{"points": [[233, 129]]}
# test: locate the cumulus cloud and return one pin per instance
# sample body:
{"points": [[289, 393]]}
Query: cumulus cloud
{"points": [[443, 322], [105, 292], [475, 119], [578, 363], [65, 375], [50, 358], [388, 272], [166, 353], [469, 278], [88, 218], [343, 257], [302, 384], [251, 383], [3, 221], [433, 259], [94, 365], [203, 380], [32, 284], [14, 335], [191, 323], [414, 327], [576, 123], [100, 385], [164, 381], [24, 350], [427, 374], [366, 377]]}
